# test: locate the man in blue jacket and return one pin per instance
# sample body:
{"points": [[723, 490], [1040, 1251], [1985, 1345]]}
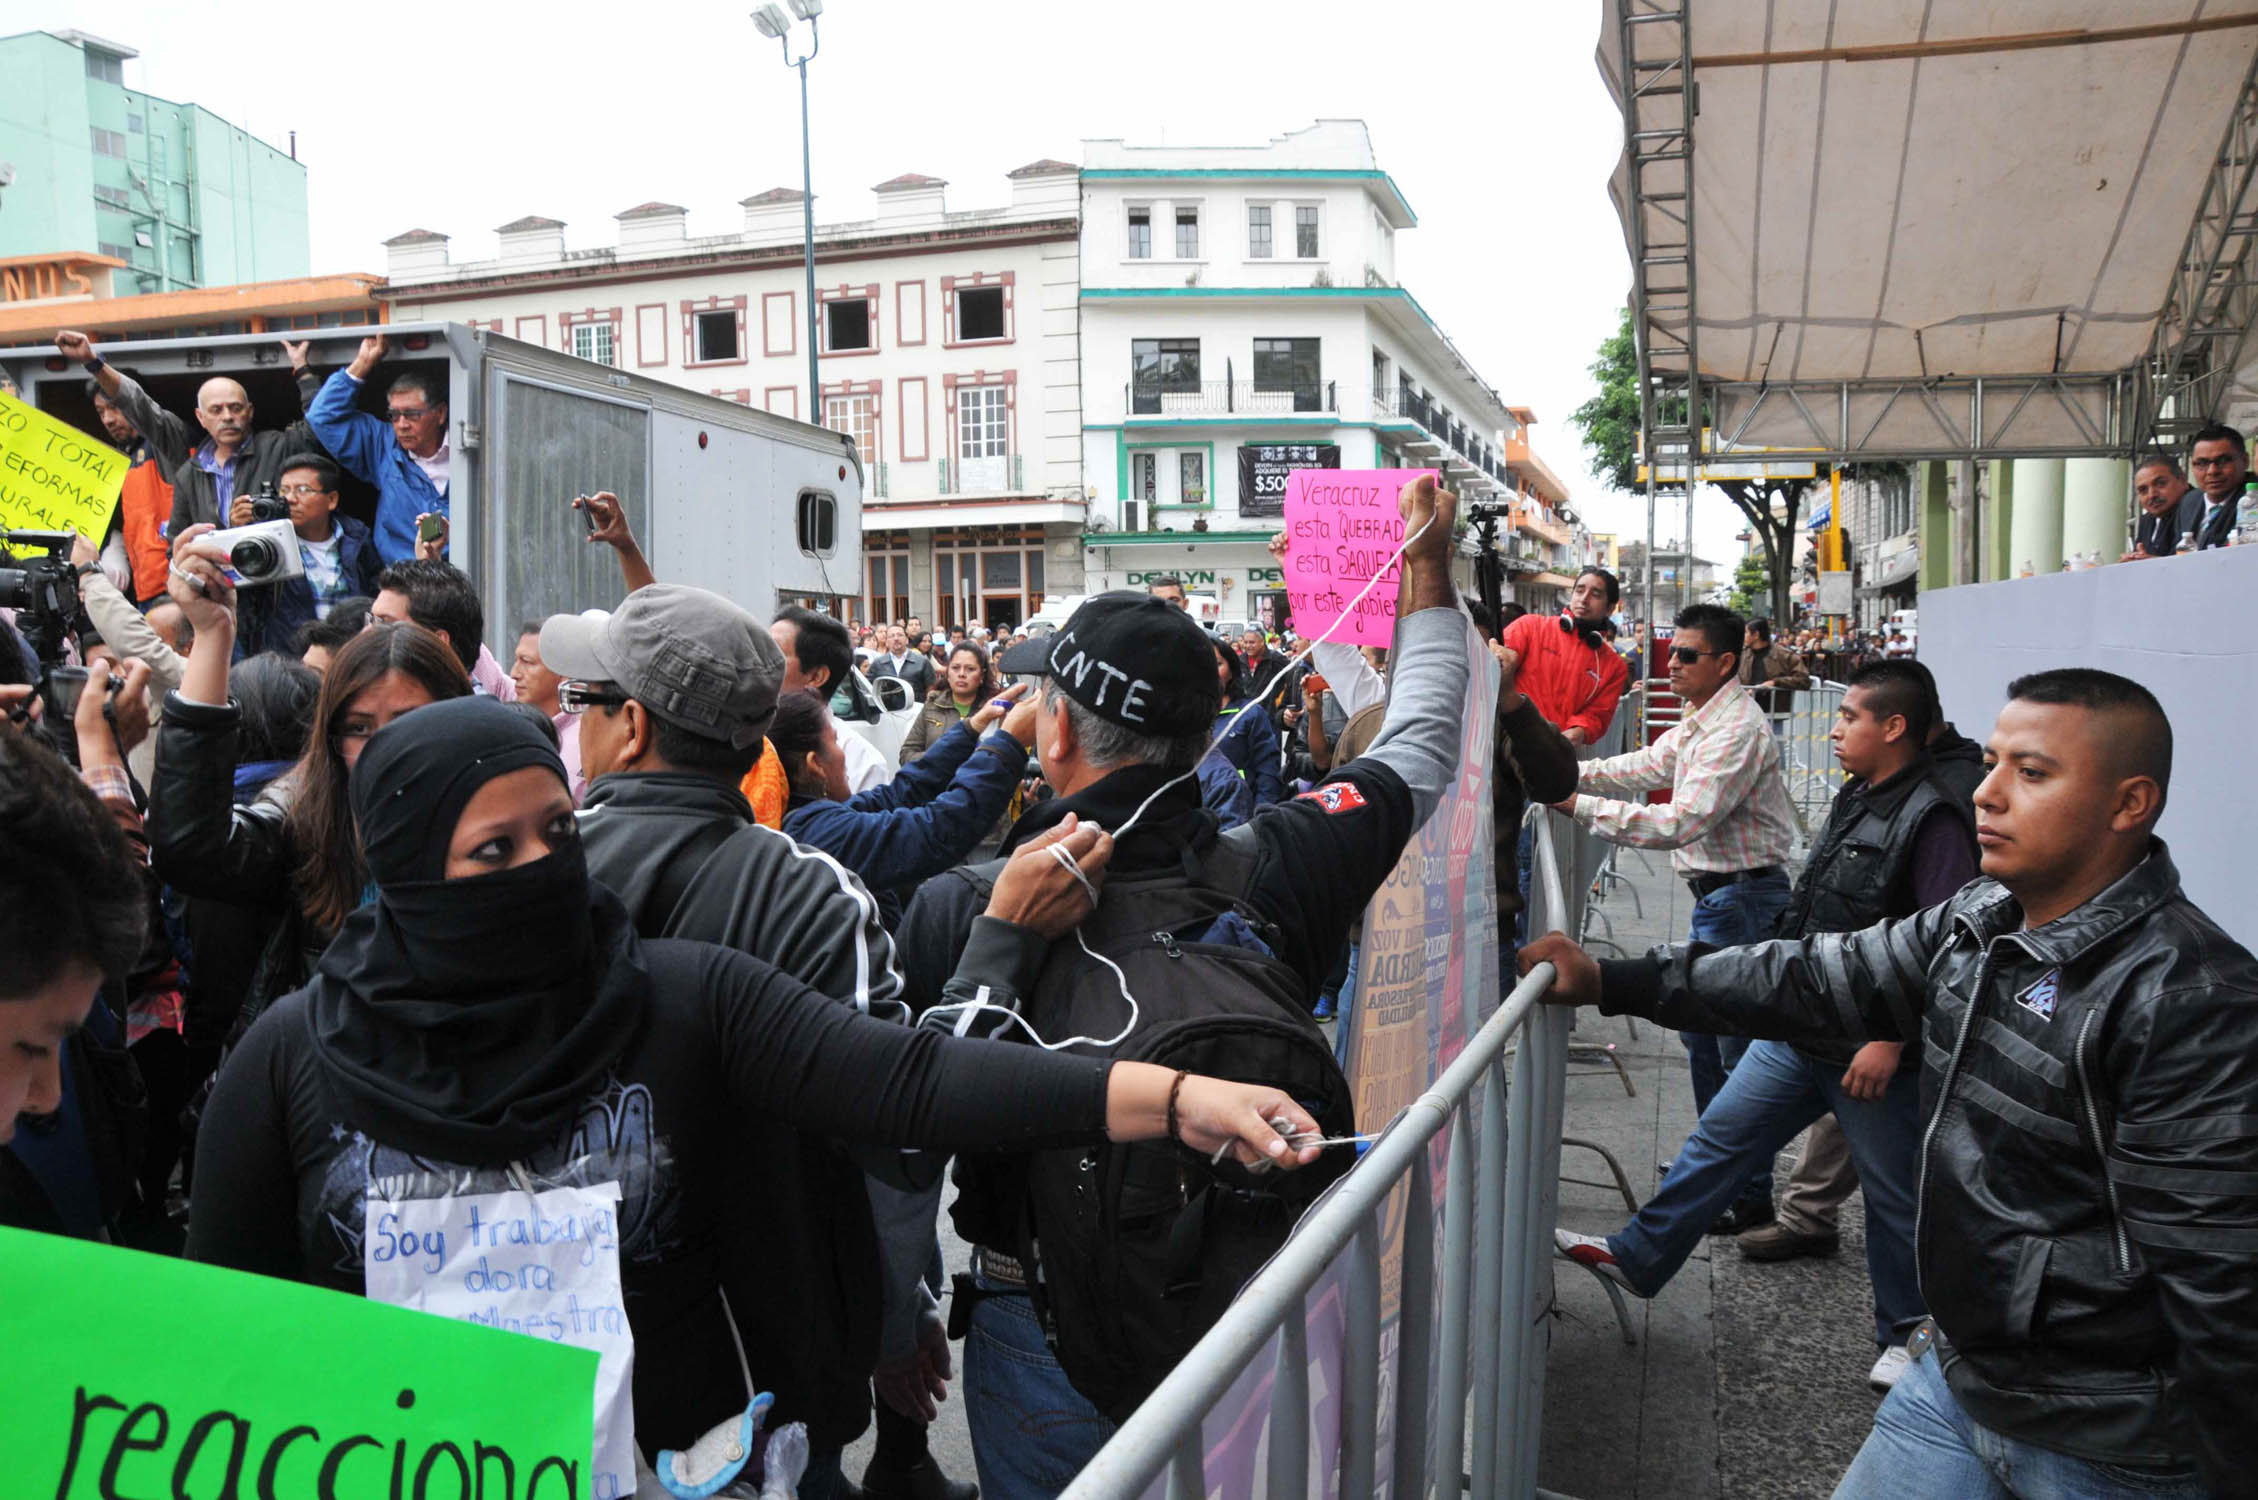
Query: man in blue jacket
{"points": [[336, 550], [406, 457]]}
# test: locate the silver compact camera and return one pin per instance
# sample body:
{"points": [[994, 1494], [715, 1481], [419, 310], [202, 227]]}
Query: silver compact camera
{"points": [[263, 553]]}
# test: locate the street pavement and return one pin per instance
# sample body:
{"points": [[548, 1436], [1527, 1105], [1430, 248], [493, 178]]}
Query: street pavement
{"points": [[1747, 1380]]}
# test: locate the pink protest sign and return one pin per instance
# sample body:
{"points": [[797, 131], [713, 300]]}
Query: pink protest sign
{"points": [[1344, 529]]}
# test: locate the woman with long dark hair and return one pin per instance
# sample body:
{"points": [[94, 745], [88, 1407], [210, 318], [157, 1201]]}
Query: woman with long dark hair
{"points": [[491, 1021], [968, 682], [288, 853]]}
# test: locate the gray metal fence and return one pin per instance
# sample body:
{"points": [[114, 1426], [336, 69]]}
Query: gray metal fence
{"points": [[1501, 1100]]}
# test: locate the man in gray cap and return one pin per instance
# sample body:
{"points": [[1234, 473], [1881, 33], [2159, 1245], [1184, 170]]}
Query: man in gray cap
{"points": [[674, 691]]}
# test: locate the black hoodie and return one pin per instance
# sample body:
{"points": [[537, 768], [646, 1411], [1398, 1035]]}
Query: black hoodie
{"points": [[1959, 763]]}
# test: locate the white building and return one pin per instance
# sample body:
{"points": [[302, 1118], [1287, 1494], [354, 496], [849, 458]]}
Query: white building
{"points": [[946, 344], [1241, 317]]}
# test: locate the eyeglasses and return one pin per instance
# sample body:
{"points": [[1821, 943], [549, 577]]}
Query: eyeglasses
{"points": [[293, 491], [578, 697], [2216, 461], [397, 414], [1686, 656]]}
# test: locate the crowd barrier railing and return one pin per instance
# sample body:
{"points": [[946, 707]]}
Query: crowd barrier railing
{"points": [[1481, 1364]]}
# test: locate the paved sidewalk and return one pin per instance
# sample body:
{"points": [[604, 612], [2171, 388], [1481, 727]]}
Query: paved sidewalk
{"points": [[1747, 1379]]}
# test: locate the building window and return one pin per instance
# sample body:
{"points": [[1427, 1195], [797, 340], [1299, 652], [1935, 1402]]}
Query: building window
{"points": [[887, 599], [1305, 231], [120, 252], [1187, 234], [1161, 367], [857, 417], [988, 575], [594, 341], [983, 440], [846, 325], [1144, 478], [1289, 368], [1191, 478], [715, 336], [1258, 231], [105, 67], [1379, 378], [1140, 234], [116, 197], [134, 125], [108, 142], [980, 313]]}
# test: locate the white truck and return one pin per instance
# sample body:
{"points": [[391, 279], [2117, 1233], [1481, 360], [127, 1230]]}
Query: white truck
{"points": [[759, 508]]}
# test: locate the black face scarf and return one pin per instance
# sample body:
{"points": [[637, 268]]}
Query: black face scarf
{"points": [[468, 1020]]}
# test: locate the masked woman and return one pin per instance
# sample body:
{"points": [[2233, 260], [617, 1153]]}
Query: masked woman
{"points": [[492, 1020]]}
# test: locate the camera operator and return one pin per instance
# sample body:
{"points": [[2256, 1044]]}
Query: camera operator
{"points": [[338, 553], [157, 443], [215, 483]]}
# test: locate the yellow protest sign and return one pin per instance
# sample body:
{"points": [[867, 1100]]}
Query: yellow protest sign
{"points": [[54, 477]]}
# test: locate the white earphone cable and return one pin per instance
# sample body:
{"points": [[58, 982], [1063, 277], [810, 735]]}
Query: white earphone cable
{"points": [[963, 1011]]}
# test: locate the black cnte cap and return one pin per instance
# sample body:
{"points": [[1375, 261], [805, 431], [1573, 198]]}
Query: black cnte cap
{"points": [[1131, 659]]}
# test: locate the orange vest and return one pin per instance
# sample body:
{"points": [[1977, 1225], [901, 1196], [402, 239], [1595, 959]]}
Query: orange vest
{"points": [[144, 505]]}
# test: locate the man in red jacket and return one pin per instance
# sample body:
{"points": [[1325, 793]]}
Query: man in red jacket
{"points": [[1567, 669]]}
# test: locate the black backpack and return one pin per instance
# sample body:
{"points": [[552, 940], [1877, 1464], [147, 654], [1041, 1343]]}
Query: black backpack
{"points": [[1135, 1250]]}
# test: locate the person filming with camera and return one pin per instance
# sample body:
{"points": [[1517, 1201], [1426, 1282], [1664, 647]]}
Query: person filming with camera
{"points": [[336, 552]]}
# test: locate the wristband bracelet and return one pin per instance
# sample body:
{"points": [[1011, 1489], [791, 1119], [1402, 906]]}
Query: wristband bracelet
{"points": [[1173, 1090], [93, 366]]}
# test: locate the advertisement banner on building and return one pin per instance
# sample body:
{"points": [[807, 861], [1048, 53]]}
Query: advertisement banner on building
{"points": [[1263, 468]]}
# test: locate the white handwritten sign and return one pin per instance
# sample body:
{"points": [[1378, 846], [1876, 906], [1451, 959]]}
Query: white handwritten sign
{"points": [[543, 1264]]}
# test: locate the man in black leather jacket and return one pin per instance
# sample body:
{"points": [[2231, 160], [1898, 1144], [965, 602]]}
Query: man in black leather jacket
{"points": [[2088, 1210]]}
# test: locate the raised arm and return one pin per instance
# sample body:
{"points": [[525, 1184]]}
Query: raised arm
{"points": [[1427, 667]]}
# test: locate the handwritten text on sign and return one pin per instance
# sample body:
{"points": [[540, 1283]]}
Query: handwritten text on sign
{"points": [[268, 1388], [544, 1264], [54, 477], [1344, 529]]}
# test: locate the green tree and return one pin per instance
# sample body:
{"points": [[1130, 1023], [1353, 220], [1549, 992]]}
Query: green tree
{"points": [[1609, 423], [1752, 586]]}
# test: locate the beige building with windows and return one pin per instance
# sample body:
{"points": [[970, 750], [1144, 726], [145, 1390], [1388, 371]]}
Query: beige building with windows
{"points": [[946, 344]]}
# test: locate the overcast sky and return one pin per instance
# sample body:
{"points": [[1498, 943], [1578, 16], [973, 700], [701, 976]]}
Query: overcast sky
{"points": [[1491, 118]]}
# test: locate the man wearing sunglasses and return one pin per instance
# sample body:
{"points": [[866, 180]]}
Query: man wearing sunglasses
{"points": [[2220, 465], [404, 454], [1728, 825]]}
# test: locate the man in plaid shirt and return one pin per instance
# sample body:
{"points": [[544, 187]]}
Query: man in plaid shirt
{"points": [[1728, 826]]}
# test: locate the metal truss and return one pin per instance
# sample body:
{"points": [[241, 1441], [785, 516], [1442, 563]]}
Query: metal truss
{"points": [[2201, 339], [1659, 104], [1966, 417]]}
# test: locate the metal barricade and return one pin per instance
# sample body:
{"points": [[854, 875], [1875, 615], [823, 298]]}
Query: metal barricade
{"points": [[1504, 1117], [1807, 752]]}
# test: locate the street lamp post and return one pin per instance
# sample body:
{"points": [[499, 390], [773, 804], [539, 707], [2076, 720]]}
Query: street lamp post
{"points": [[770, 21]]}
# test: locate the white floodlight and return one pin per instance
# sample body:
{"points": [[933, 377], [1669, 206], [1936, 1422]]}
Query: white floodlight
{"points": [[769, 21], [806, 10]]}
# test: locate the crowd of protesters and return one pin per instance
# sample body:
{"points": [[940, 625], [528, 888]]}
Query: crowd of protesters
{"points": [[320, 884]]}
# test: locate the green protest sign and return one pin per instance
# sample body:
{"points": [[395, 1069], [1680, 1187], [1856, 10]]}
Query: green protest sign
{"points": [[134, 1375]]}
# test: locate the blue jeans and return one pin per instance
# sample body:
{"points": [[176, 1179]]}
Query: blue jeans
{"points": [[1924, 1444], [1032, 1431], [1747, 911], [1344, 1005], [1772, 1096]]}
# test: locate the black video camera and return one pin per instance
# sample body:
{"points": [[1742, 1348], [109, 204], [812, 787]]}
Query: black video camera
{"points": [[43, 591]]}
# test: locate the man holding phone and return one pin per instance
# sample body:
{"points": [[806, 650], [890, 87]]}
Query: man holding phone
{"points": [[405, 455]]}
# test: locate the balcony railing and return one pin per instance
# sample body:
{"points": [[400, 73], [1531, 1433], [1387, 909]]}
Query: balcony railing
{"points": [[1444, 428], [1218, 398], [996, 475]]}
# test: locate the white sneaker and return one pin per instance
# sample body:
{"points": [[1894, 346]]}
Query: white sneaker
{"points": [[1888, 1367], [1590, 1251]]}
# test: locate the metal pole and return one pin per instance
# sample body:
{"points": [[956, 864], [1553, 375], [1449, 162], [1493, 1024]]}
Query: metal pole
{"points": [[807, 219]]}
